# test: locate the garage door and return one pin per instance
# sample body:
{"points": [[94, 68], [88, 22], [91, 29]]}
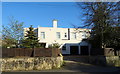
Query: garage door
{"points": [[74, 50], [84, 50]]}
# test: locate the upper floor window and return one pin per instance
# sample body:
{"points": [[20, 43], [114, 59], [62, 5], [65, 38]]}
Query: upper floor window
{"points": [[58, 35], [65, 35], [74, 35], [42, 35], [84, 35]]}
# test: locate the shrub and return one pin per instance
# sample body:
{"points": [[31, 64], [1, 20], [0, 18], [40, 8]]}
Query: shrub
{"points": [[54, 45]]}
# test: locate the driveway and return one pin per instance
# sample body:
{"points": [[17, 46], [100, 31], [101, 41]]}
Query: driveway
{"points": [[71, 66], [74, 65]]}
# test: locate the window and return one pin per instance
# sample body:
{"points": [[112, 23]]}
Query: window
{"points": [[83, 35], [65, 35], [58, 35], [64, 47], [74, 35], [42, 35]]}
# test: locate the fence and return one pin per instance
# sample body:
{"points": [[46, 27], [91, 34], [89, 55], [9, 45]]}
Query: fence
{"points": [[36, 52], [105, 52]]}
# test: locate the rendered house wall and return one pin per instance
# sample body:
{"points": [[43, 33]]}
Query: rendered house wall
{"points": [[50, 36]]}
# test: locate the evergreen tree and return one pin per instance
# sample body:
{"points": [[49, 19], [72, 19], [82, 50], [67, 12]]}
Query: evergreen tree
{"points": [[31, 40]]}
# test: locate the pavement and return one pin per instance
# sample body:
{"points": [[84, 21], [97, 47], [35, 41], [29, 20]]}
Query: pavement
{"points": [[74, 67]]}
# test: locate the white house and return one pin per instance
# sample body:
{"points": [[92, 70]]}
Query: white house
{"points": [[70, 39]]}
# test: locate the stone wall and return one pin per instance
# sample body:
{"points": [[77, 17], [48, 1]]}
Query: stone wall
{"points": [[105, 60], [97, 60], [31, 63]]}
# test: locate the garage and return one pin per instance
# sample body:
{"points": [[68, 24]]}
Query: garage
{"points": [[84, 50], [74, 50]]}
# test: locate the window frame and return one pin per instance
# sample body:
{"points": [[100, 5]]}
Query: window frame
{"points": [[58, 35], [74, 36], [65, 35], [42, 35]]}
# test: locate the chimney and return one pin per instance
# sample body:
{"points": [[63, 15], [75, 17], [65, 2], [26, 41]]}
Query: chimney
{"points": [[54, 23]]}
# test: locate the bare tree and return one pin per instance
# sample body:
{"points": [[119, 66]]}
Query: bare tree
{"points": [[12, 33], [103, 19]]}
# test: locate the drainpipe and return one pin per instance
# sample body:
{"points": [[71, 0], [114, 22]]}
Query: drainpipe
{"points": [[68, 33]]}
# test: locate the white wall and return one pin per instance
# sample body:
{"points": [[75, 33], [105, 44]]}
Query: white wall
{"points": [[50, 36]]}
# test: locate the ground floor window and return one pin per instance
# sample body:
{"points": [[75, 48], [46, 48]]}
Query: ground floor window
{"points": [[64, 47]]}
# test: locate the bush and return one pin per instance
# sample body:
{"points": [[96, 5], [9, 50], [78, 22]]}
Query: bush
{"points": [[54, 45]]}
